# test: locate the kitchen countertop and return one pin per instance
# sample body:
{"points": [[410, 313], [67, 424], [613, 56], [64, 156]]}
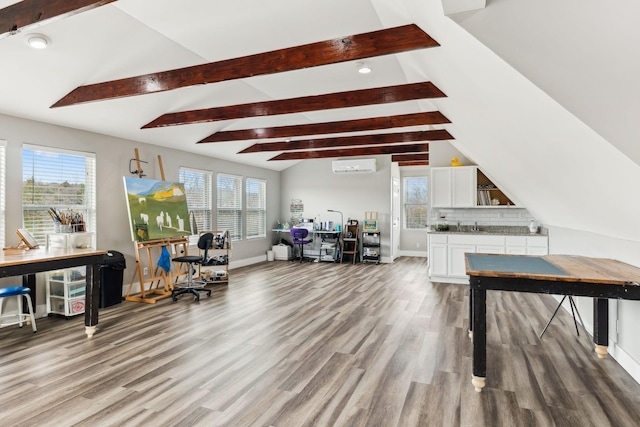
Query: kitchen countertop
{"points": [[499, 230]]}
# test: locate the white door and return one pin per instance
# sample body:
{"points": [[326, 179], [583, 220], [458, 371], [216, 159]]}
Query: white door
{"points": [[395, 217]]}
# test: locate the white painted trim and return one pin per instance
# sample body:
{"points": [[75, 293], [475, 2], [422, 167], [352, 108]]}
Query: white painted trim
{"points": [[247, 261], [627, 362], [449, 279], [421, 254]]}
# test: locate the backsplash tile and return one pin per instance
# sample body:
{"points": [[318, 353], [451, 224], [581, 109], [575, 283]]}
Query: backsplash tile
{"points": [[483, 216]]}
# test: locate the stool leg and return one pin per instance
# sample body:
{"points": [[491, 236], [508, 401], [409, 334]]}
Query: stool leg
{"points": [[31, 315], [20, 314]]}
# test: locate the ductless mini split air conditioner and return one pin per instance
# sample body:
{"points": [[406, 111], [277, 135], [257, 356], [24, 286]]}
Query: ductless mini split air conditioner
{"points": [[354, 166]]}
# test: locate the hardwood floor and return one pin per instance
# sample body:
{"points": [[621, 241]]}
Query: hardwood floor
{"points": [[288, 344]]}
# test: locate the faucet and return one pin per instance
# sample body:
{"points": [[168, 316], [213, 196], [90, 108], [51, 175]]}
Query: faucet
{"points": [[475, 226], [458, 225]]}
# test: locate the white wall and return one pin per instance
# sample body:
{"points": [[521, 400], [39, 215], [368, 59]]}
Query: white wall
{"points": [[573, 180], [313, 182], [112, 163], [624, 344]]}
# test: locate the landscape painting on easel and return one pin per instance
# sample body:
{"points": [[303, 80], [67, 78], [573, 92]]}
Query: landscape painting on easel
{"points": [[157, 209]]}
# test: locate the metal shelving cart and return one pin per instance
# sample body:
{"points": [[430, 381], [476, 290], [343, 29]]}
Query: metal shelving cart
{"points": [[371, 246]]}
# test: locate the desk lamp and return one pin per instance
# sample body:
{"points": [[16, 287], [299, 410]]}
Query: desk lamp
{"points": [[341, 217]]}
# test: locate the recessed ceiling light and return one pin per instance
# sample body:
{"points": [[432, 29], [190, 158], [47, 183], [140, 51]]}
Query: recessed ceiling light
{"points": [[363, 68], [38, 41]]}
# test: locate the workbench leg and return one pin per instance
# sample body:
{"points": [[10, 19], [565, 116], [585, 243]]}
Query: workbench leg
{"points": [[601, 326], [92, 299], [479, 297], [29, 281], [470, 314]]}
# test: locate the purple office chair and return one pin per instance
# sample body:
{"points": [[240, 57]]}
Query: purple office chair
{"points": [[299, 238]]}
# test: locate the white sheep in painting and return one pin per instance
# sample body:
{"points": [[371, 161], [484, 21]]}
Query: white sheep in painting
{"points": [[160, 220], [168, 220], [142, 200], [180, 223], [145, 218]]}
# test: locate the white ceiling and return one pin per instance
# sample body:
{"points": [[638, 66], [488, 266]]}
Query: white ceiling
{"points": [[583, 54], [132, 37], [543, 101]]}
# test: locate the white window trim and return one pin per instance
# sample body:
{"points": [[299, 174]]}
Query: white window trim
{"points": [[264, 225]]}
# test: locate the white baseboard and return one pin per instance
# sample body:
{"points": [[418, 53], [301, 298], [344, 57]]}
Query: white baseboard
{"points": [[627, 362], [247, 261], [421, 254]]}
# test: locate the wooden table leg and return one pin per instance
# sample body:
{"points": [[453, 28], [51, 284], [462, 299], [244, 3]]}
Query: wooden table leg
{"points": [[601, 326], [479, 338], [92, 299], [470, 314]]}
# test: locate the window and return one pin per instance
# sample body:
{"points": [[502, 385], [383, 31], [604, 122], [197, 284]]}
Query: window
{"points": [[60, 179], [415, 202], [197, 186], [256, 194], [229, 214], [3, 148]]}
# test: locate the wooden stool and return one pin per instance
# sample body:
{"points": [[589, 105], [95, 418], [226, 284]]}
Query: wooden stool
{"points": [[18, 291]]}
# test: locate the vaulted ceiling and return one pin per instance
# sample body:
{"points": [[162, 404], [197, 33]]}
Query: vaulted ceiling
{"points": [[280, 84]]}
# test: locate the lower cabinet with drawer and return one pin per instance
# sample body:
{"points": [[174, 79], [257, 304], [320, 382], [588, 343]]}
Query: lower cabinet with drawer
{"points": [[446, 251]]}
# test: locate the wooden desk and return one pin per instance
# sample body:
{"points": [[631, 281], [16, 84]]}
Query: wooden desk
{"points": [[29, 262], [550, 274]]}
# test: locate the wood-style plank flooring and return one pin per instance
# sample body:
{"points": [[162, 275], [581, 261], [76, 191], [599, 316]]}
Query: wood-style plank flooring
{"points": [[287, 344]]}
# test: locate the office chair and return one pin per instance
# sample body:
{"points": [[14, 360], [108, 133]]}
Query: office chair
{"points": [[205, 242], [299, 238], [17, 291]]}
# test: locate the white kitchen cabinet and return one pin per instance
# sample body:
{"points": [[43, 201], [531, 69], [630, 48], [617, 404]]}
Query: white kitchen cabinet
{"points": [[446, 251], [454, 187], [516, 245], [456, 262], [438, 259], [537, 245]]}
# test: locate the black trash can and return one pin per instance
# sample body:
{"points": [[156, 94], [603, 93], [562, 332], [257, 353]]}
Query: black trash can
{"points": [[111, 273]]}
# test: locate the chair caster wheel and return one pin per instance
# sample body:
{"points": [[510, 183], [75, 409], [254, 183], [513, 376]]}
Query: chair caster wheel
{"points": [[174, 298], [209, 293]]}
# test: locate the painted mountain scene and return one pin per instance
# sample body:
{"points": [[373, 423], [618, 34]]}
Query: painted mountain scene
{"points": [[157, 209]]}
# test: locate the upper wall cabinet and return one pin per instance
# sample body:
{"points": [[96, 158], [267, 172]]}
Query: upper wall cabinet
{"points": [[454, 187], [464, 187]]}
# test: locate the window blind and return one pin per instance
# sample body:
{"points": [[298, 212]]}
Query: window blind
{"points": [[415, 202], [256, 212], [197, 187], [229, 205], [60, 179]]}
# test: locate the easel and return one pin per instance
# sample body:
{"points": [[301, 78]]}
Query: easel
{"points": [[145, 259], [147, 252]]}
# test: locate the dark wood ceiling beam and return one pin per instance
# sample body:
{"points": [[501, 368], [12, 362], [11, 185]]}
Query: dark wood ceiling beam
{"points": [[372, 123], [29, 14], [346, 141], [376, 43], [416, 163], [380, 95], [410, 157], [351, 152]]}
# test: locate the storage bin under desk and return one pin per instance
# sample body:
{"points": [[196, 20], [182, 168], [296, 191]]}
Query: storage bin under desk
{"points": [[281, 252]]}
